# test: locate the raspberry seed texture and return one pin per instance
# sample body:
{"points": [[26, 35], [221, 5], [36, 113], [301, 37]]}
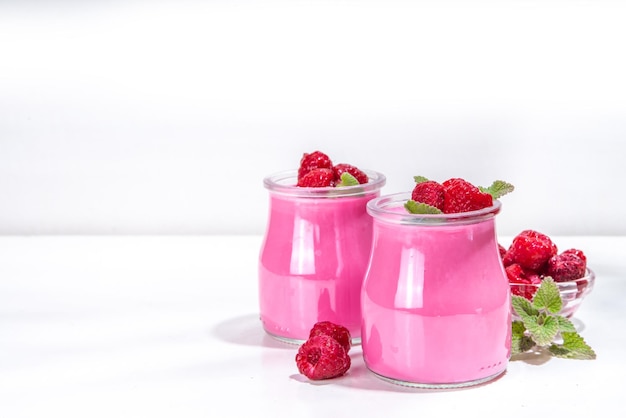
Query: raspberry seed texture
{"points": [[338, 332], [309, 162], [316, 169], [429, 192], [533, 256], [462, 196], [322, 357]]}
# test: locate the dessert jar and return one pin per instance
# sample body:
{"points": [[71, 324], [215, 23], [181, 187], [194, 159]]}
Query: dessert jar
{"points": [[314, 255], [435, 299]]}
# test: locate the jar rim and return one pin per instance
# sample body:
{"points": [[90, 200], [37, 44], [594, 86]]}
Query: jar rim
{"points": [[382, 208], [284, 182]]}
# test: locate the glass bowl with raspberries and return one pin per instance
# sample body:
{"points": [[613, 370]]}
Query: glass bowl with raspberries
{"points": [[532, 256]]}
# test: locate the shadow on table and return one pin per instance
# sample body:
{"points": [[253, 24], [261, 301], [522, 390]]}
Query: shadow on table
{"points": [[578, 324], [247, 330], [360, 377]]}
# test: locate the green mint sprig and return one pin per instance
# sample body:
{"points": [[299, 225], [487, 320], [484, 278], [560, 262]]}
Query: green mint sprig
{"points": [[540, 325], [498, 189], [347, 179], [421, 208]]}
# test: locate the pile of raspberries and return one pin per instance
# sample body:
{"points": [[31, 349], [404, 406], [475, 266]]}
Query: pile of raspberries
{"points": [[533, 256], [317, 170]]}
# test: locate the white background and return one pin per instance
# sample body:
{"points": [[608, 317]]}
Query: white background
{"points": [[138, 117]]}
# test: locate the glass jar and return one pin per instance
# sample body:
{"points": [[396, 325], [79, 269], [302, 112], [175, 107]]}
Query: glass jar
{"points": [[314, 255], [435, 300]]}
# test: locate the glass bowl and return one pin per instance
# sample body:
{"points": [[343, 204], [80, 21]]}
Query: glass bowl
{"points": [[572, 292]]}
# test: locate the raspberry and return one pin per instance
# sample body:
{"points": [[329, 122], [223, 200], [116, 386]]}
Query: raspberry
{"points": [[579, 253], [318, 177], [531, 250], [521, 276], [462, 196], [354, 171], [429, 192], [566, 266], [322, 357], [309, 162], [338, 332], [502, 251]]}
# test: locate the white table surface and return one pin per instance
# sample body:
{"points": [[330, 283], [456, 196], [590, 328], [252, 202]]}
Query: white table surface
{"points": [[168, 326]]}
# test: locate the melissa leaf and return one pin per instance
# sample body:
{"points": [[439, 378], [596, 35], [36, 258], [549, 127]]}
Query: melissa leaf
{"points": [[419, 179], [498, 189], [520, 342], [573, 347], [421, 208], [347, 179], [548, 296], [523, 307], [565, 325], [544, 330], [541, 324]]}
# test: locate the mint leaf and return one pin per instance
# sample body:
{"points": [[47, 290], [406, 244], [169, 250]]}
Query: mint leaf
{"points": [[498, 189], [565, 325], [541, 323], [548, 296], [523, 307], [421, 208], [543, 330], [517, 328], [419, 179], [347, 179], [520, 342], [573, 347]]}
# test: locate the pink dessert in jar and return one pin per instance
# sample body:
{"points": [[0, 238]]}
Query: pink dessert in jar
{"points": [[315, 249]]}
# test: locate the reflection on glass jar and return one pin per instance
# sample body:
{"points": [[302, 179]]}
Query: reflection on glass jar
{"points": [[436, 300], [314, 255]]}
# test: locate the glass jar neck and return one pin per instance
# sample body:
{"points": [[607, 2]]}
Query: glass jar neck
{"points": [[390, 209], [284, 183]]}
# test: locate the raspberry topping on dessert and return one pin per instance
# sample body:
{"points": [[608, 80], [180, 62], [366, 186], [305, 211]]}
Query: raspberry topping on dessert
{"points": [[317, 170], [429, 192], [318, 177], [313, 160], [357, 173], [454, 195], [462, 196]]}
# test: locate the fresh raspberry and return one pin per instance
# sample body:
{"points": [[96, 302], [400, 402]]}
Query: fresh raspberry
{"points": [[462, 196], [309, 162], [502, 251], [338, 332], [579, 253], [357, 173], [520, 276], [531, 250], [429, 192], [318, 177], [322, 357], [566, 266], [515, 273], [580, 284]]}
